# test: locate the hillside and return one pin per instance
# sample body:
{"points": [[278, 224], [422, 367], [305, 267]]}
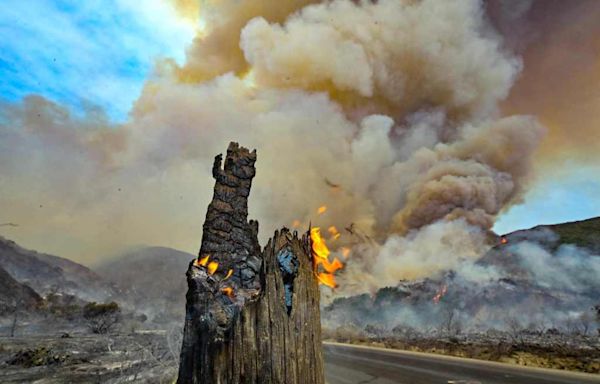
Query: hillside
{"points": [[14, 295], [584, 233], [549, 274], [46, 273], [152, 279]]}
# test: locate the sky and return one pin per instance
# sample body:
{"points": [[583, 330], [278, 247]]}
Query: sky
{"points": [[86, 53], [98, 54]]}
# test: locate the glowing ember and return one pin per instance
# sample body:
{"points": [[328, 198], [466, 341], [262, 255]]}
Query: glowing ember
{"points": [[229, 273], [228, 291], [321, 257], [334, 232], [503, 240], [202, 261], [345, 252], [322, 209], [212, 267], [440, 293]]}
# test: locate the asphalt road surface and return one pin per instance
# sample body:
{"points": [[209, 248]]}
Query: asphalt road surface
{"points": [[349, 364]]}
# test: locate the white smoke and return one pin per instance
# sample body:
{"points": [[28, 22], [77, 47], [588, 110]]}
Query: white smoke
{"points": [[385, 112]]}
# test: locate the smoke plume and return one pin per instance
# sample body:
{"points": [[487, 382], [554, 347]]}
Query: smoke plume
{"points": [[386, 112]]}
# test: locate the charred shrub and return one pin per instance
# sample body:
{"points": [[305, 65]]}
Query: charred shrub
{"points": [[101, 317]]}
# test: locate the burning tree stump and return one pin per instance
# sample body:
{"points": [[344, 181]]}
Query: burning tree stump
{"points": [[251, 316]]}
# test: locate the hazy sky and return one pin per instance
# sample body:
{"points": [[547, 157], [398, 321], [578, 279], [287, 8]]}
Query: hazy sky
{"points": [[98, 53]]}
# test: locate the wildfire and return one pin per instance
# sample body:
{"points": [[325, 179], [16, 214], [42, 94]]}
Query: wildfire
{"points": [[229, 273], [321, 257], [322, 209], [503, 240], [440, 293]]}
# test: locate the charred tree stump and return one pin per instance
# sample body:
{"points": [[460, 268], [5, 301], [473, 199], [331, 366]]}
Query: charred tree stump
{"points": [[252, 316]]}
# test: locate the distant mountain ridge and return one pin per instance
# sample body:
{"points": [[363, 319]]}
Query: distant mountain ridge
{"points": [[548, 274], [14, 295], [152, 279], [582, 233], [47, 273]]}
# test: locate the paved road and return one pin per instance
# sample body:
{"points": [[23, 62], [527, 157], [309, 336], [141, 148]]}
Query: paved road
{"points": [[348, 364]]}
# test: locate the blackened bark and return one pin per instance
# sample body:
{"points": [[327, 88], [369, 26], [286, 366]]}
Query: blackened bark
{"points": [[268, 329]]}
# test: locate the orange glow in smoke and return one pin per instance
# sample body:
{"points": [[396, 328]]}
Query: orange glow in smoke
{"points": [[322, 209]]}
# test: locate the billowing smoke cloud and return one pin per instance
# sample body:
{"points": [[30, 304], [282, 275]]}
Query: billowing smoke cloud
{"points": [[558, 41], [385, 112]]}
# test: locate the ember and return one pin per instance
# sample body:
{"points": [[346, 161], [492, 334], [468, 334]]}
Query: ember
{"points": [[503, 240], [228, 291], [345, 252], [440, 293], [322, 209], [334, 232], [202, 261]]}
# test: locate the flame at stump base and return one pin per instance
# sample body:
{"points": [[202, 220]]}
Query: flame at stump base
{"points": [[254, 317]]}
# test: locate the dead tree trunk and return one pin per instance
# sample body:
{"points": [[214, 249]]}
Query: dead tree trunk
{"points": [[253, 317]]}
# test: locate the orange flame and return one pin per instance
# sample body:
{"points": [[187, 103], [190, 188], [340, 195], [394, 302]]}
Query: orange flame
{"points": [[503, 240], [202, 261], [440, 293], [327, 278], [322, 209], [227, 291], [229, 273], [212, 267], [321, 257]]}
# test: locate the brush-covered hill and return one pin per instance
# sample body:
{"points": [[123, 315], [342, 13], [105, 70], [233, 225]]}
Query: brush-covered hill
{"points": [[50, 274], [583, 234], [548, 275], [151, 279], [14, 295]]}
